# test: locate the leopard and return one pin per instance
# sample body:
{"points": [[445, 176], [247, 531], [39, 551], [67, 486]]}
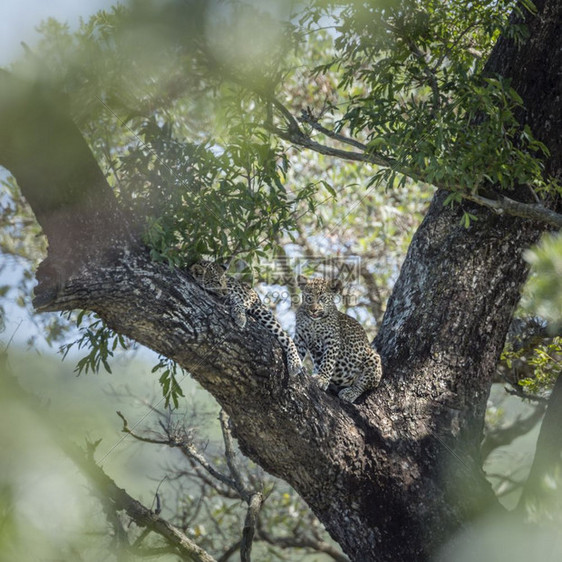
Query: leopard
{"points": [[337, 343], [243, 301]]}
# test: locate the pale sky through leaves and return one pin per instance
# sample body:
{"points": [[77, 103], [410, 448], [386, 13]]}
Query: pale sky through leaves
{"points": [[20, 18]]}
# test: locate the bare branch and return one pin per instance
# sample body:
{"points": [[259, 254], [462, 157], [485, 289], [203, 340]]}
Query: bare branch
{"points": [[188, 449], [302, 541], [308, 118], [249, 530], [229, 552], [204, 476], [129, 431], [505, 205], [239, 484]]}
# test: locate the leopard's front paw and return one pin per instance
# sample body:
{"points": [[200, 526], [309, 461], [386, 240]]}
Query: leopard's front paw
{"points": [[350, 394], [323, 382], [240, 320]]}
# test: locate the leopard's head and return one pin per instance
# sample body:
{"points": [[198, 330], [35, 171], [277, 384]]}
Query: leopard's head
{"points": [[318, 296], [210, 275]]}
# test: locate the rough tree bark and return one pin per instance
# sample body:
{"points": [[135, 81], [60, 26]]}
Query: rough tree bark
{"points": [[392, 477]]}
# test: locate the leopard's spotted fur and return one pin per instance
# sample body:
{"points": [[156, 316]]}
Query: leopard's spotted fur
{"points": [[337, 343], [243, 300]]}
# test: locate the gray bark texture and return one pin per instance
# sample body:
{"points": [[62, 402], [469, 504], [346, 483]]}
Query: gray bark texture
{"points": [[392, 477]]}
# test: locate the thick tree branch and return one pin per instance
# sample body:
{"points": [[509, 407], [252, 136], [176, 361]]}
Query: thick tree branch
{"points": [[505, 206]]}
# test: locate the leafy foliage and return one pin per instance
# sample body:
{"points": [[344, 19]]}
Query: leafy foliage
{"points": [[537, 364], [205, 200], [188, 119], [100, 341], [547, 364], [419, 97], [186, 124], [171, 390]]}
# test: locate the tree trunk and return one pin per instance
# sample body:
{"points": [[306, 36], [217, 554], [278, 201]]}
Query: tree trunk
{"points": [[394, 476]]}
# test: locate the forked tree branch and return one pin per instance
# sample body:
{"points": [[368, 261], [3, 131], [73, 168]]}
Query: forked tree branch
{"points": [[253, 499], [507, 434], [236, 488]]}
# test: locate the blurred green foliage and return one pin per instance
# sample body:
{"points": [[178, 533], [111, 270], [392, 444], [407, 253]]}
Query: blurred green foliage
{"points": [[545, 288]]}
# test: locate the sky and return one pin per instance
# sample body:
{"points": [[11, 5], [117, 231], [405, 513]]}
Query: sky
{"points": [[19, 18]]}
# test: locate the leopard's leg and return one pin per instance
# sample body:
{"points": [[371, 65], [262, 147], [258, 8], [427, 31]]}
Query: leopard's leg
{"points": [[294, 363], [328, 362], [237, 310], [300, 344], [369, 378]]}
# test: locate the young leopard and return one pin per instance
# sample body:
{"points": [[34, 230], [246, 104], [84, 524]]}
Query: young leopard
{"points": [[337, 343], [243, 300]]}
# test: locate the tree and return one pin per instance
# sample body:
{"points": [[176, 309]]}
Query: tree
{"points": [[395, 476]]}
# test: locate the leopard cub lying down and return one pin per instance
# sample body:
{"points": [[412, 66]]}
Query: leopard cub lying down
{"points": [[337, 343], [243, 300]]}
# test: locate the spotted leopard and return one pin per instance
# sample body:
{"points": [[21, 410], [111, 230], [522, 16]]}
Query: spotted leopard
{"points": [[337, 343], [243, 300]]}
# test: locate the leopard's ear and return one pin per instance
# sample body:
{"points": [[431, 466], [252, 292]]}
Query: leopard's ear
{"points": [[223, 266], [335, 286], [302, 281], [197, 269]]}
